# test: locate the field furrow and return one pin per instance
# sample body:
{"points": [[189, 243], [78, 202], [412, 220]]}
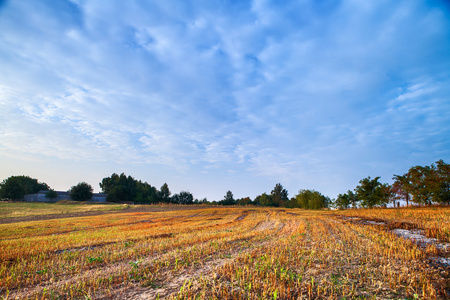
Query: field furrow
{"points": [[222, 253]]}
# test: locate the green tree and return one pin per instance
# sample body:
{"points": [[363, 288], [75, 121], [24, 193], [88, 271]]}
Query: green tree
{"points": [[371, 192], [244, 201], [347, 200], [279, 195], [81, 192], [342, 201], [228, 199], [401, 188], [117, 193], [123, 188], [108, 183], [353, 198], [420, 184], [441, 187], [145, 193], [310, 199], [201, 201], [164, 193], [183, 197], [424, 185], [264, 200], [389, 194], [16, 187]]}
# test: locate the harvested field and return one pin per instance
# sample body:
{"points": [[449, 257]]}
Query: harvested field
{"points": [[227, 253], [21, 212]]}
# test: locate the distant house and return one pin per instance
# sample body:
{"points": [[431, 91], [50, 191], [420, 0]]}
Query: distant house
{"points": [[40, 197]]}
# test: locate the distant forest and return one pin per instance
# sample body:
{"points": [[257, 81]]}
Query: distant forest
{"points": [[424, 185]]}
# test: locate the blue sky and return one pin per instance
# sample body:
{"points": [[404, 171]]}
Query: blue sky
{"points": [[219, 95]]}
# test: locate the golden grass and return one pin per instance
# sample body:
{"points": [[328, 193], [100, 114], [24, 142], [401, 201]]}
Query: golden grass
{"points": [[24, 209], [434, 219], [222, 253]]}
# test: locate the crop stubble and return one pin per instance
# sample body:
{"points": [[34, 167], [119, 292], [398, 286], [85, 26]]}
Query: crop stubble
{"points": [[225, 253]]}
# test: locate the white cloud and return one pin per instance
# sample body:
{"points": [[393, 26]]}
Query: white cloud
{"points": [[294, 90]]}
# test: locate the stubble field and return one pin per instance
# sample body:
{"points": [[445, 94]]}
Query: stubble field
{"points": [[228, 253]]}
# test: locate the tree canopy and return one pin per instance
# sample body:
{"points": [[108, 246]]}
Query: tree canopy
{"points": [[279, 195], [346, 200], [123, 188], [371, 192], [424, 184], [184, 197], [81, 192], [228, 199], [16, 187], [309, 199], [244, 201], [164, 193]]}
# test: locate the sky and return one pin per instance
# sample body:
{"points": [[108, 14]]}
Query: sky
{"points": [[216, 95]]}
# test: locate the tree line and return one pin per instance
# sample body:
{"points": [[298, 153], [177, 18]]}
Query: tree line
{"points": [[122, 188], [16, 187], [278, 197], [420, 185]]}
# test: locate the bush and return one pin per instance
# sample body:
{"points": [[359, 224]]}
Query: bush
{"points": [[81, 192]]}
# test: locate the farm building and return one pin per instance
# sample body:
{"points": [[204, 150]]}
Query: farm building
{"points": [[40, 197]]}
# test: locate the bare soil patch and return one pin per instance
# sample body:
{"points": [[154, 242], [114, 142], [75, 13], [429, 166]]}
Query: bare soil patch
{"points": [[410, 232], [268, 225], [389, 225]]}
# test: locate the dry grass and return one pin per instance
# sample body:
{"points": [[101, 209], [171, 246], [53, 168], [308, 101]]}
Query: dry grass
{"points": [[23, 209], [223, 253]]}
